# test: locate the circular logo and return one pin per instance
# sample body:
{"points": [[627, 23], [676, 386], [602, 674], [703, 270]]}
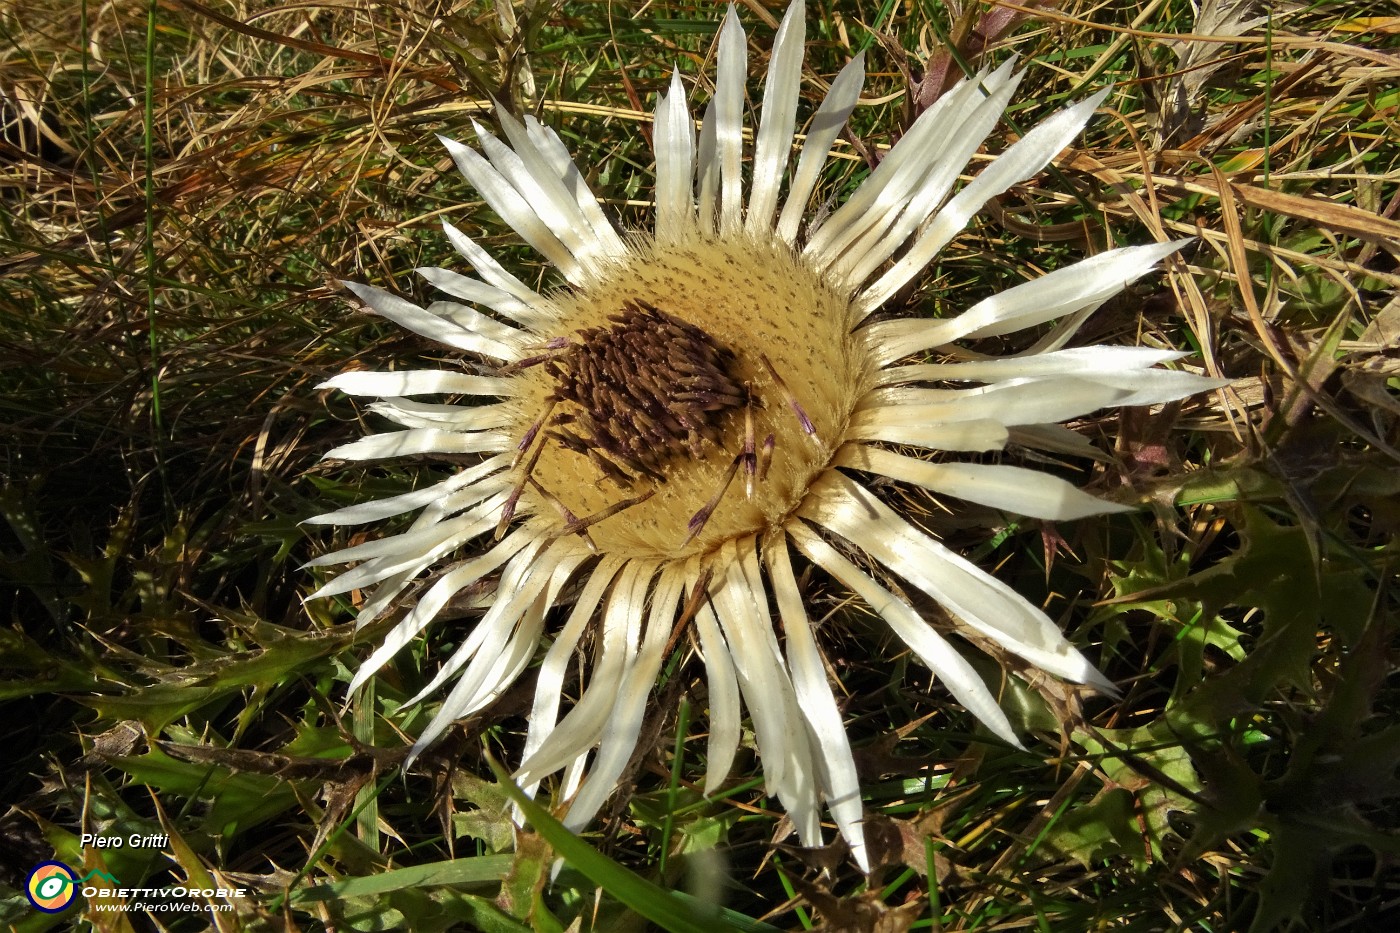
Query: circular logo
{"points": [[51, 887]]}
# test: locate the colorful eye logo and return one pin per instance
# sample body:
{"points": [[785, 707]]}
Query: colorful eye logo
{"points": [[51, 887]]}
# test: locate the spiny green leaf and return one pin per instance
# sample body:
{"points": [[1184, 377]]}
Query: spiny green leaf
{"points": [[1094, 831], [28, 669], [198, 684], [238, 801]]}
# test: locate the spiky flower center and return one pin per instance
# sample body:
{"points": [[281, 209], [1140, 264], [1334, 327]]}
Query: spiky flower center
{"points": [[694, 393]]}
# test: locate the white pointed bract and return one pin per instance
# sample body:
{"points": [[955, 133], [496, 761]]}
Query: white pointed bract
{"points": [[657, 437]]}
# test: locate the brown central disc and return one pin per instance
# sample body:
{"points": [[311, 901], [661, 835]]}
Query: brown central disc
{"points": [[682, 358], [643, 390]]}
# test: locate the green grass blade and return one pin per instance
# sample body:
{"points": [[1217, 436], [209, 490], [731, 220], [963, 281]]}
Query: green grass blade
{"points": [[666, 909], [483, 869]]}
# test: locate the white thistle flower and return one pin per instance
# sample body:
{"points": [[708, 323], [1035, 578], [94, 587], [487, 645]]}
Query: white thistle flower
{"points": [[662, 432]]}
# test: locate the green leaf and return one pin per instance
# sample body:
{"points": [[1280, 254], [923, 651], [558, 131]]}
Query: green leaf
{"points": [[522, 888], [284, 652], [1153, 765], [238, 800], [1103, 827], [489, 820], [40, 671], [480, 870]]}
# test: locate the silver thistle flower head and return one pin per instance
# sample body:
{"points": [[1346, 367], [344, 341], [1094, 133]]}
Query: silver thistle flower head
{"points": [[655, 438]]}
